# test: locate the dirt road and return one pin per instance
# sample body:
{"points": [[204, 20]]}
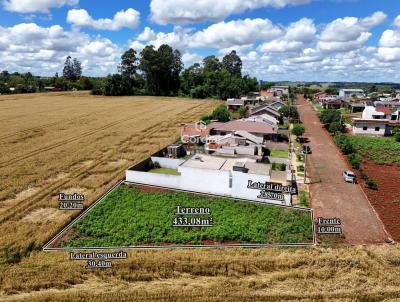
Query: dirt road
{"points": [[332, 197]]}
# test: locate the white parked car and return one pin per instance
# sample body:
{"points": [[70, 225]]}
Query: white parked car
{"points": [[349, 176]]}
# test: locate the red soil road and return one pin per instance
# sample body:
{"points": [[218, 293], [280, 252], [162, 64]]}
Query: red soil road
{"points": [[332, 197]]}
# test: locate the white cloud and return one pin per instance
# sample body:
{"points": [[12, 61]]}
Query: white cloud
{"points": [[194, 11], [281, 46], [136, 45], [349, 33], [302, 31], [295, 38], [33, 6], [52, 45], [189, 59], [397, 21], [81, 18], [389, 45], [147, 35], [237, 32]]}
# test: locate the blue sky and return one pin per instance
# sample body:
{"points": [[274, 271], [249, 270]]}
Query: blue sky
{"points": [[301, 40]]}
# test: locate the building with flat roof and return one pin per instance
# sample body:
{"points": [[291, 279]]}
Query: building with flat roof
{"points": [[244, 178], [348, 93]]}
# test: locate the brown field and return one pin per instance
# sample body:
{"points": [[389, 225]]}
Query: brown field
{"points": [[51, 143], [78, 143]]}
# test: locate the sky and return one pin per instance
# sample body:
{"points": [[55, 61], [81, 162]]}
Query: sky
{"points": [[278, 40]]}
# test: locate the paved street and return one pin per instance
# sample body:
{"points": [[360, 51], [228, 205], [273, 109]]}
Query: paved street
{"points": [[332, 197]]}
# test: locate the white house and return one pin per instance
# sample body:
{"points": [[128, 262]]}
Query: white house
{"points": [[280, 90], [348, 93], [374, 121]]}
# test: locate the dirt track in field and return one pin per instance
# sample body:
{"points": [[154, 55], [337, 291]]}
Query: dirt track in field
{"points": [[330, 195], [74, 143]]}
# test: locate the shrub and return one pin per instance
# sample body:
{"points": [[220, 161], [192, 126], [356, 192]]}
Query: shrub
{"points": [[300, 168], [242, 112], [364, 176], [354, 160], [157, 165], [344, 144], [396, 134], [304, 200], [221, 113], [335, 127], [300, 157], [298, 129], [278, 167], [371, 184]]}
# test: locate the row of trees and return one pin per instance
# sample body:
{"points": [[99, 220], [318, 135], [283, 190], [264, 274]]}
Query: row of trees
{"points": [[216, 79], [160, 72], [28, 83]]}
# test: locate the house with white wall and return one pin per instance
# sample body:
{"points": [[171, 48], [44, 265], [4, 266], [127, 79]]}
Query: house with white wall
{"points": [[375, 121], [349, 93], [218, 175]]}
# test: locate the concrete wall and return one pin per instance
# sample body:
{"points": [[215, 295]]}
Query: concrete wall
{"points": [[358, 129], [204, 180], [162, 180], [165, 162], [278, 160], [240, 190]]}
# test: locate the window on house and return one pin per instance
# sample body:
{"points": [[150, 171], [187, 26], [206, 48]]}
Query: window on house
{"points": [[377, 128], [365, 128]]}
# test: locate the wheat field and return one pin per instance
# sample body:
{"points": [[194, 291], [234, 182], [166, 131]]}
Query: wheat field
{"points": [[74, 142]]}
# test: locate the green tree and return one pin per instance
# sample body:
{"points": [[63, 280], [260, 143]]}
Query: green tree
{"points": [[329, 116], [68, 70], [77, 69], [118, 85], [129, 63], [221, 113], [232, 63], [211, 64], [298, 129], [289, 111], [72, 70], [266, 85], [161, 69], [396, 134], [242, 112]]}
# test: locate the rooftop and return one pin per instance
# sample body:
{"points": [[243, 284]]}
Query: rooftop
{"points": [[244, 125], [211, 162]]}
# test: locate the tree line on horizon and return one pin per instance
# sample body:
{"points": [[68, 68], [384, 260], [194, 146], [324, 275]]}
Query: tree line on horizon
{"points": [[153, 71], [160, 72]]}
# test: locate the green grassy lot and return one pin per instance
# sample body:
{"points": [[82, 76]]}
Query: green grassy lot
{"points": [[382, 150], [128, 217], [279, 153], [165, 171]]}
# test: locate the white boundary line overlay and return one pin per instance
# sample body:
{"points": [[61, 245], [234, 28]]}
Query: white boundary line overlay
{"points": [[47, 247]]}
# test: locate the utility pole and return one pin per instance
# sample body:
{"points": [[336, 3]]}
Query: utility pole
{"points": [[305, 167]]}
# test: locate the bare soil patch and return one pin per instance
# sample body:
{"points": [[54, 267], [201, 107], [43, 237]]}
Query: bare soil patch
{"points": [[385, 200]]}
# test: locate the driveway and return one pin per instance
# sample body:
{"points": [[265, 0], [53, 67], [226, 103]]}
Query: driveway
{"points": [[332, 197]]}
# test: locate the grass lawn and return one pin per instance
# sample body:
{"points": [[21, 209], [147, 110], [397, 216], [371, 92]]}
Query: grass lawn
{"points": [[279, 153], [129, 217], [382, 150], [165, 171]]}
